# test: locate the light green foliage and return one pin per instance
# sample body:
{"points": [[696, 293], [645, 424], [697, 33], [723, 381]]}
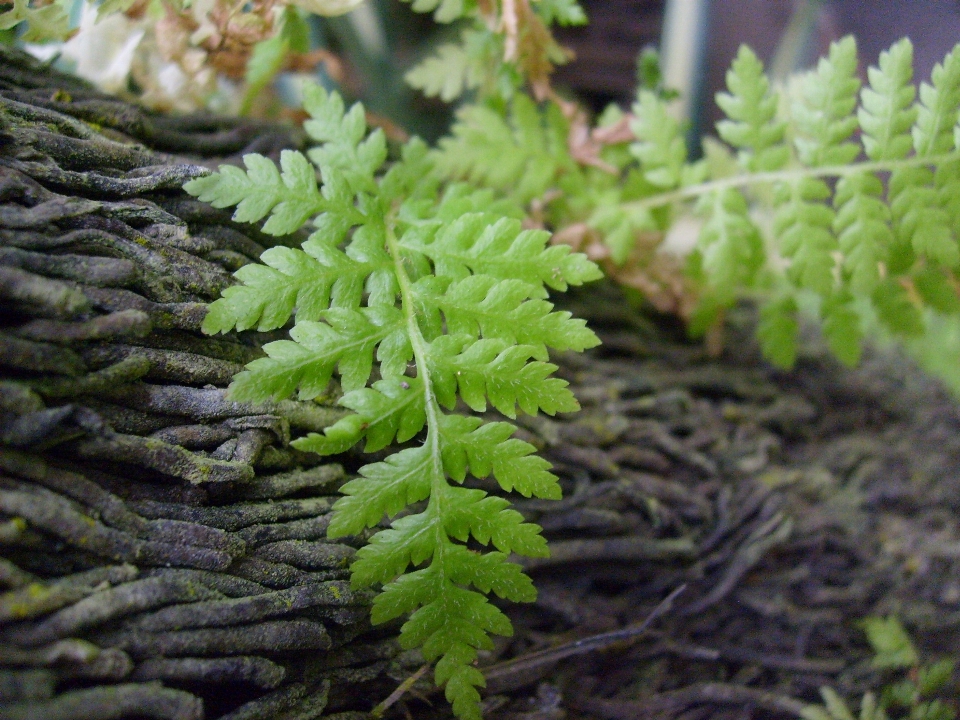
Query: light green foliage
{"points": [[864, 228], [824, 114], [729, 242], [879, 242], [777, 331], [402, 273], [908, 698], [752, 125], [835, 708], [562, 12], [660, 146], [891, 645], [519, 156], [268, 56], [446, 74], [444, 11], [479, 62], [43, 23]]}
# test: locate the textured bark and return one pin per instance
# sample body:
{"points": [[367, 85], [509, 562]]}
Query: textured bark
{"points": [[152, 564]]}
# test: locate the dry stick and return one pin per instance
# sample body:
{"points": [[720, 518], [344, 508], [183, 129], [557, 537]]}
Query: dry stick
{"points": [[514, 673], [670, 703], [274, 636], [402, 688]]}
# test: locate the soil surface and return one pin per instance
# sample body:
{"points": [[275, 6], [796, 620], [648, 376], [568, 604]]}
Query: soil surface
{"points": [[787, 505]]}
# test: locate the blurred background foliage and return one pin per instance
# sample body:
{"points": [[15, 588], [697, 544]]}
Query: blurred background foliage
{"points": [[252, 56]]}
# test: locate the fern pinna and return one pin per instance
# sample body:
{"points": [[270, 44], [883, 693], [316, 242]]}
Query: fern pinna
{"points": [[449, 298]]}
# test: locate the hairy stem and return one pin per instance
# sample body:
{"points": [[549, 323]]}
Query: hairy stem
{"points": [[432, 408], [746, 180]]}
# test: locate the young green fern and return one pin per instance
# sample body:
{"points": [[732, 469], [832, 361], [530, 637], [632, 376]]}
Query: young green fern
{"points": [[827, 196], [403, 272]]}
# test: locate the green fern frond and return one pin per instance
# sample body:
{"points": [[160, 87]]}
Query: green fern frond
{"points": [[401, 275], [660, 146], [561, 12], [730, 243], [44, 22], [886, 112], [777, 331], [803, 223], [823, 114], [519, 156], [751, 109], [446, 74]]}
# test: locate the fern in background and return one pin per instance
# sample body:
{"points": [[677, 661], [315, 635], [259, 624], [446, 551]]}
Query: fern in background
{"points": [[827, 197], [913, 697], [422, 287]]}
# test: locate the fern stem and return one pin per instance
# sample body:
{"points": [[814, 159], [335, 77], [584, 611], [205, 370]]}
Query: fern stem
{"points": [[432, 407], [741, 181]]}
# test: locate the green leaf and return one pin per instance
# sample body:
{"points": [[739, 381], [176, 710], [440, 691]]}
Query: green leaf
{"points": [[835, 705], [487, 519], [338, 438], [729, 242], [938, 108], [561, 12], [778, 330], [521, 156], [444, 11], [896, 310], [484, 449], [290, 279], [482, 306], [411, 540], [426, 287], [500, 249], [932, 678], [752, 110], [660, 146], [803, 224], [842, 328], [890, 642], [886, 113], [45, 23], [497, 371], [937, 290], [446, 74], [862, 224], [824, 111], [392, 410], [489, 572], [347, 340], [386, 488], [621, 226], [290, 197]]}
